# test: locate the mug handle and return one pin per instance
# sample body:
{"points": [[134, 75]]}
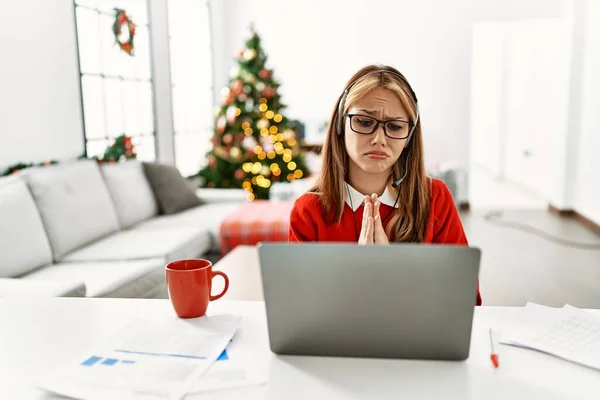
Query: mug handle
{"points": [[213, 298]]}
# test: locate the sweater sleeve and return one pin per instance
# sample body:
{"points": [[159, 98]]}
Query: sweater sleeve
{"points": [[448, 228], [303, 227]]}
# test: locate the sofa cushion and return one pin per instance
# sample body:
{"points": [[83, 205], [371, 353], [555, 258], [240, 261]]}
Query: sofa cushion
{"points": [[173, 192], [74, 203], [24, 245], [49, 288], [207, 216], [141, 278], [167, 244], [130, 191]]}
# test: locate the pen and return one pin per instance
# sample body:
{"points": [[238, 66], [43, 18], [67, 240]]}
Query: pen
{"points": [[493, 356]]}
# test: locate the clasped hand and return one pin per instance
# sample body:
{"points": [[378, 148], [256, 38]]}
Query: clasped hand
{"points": [[372, 227]]}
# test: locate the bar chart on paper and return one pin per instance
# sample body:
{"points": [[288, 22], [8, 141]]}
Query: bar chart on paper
{"points": [[95, 360]]}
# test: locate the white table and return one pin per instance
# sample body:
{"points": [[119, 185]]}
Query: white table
{"points": [[243, 269], [39, 334]]}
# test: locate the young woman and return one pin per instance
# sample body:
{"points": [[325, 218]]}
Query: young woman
{"points": [[373, 188]]}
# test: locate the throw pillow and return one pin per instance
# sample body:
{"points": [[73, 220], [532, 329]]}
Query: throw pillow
{"points": [[172, 191]]}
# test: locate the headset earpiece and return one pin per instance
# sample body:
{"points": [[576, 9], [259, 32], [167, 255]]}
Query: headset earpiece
{"points": [[339, 123]]}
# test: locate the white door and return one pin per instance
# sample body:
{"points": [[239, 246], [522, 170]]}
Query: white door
{"points": [[536, 112]]}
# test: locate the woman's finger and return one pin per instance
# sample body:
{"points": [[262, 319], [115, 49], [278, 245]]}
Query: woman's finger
{"points": [[370, 232], [379, 236], [365, 222], [364, 218]]}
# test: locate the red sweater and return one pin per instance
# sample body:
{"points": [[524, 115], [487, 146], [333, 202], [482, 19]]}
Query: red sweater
{"points": [[308, 223]]}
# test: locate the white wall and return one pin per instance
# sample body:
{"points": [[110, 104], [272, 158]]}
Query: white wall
{"points": [[315, 46], [489, 70], [40, 106], [587, 173]]}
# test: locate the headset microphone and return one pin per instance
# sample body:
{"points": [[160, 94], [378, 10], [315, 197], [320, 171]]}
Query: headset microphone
{"points": [[397, 182]]}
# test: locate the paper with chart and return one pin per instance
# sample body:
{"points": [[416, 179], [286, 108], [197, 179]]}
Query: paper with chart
{"points": [[233, 369], [159, 360], [568, 333]]}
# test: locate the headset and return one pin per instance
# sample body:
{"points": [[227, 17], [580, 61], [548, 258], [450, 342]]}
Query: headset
{"points": [[339, 127]]}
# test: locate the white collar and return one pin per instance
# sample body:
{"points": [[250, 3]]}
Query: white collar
{"points": [[354, 198]]}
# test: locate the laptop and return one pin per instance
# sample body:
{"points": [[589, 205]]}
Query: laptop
{"points": [[408, 301]]}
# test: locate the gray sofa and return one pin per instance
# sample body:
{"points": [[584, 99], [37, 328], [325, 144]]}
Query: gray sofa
{"points": [[83, 229]]}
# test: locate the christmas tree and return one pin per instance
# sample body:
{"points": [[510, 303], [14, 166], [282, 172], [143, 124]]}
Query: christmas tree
{"points": [[254, 144]]}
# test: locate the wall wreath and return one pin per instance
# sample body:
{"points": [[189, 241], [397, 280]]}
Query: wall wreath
{"points": [[122, 20]]}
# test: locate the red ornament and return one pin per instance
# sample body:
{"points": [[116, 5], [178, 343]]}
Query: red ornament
{"points": [[122, 17], [269, 92], [237, 87], [126, 47], [265, 73], [239, 174]]}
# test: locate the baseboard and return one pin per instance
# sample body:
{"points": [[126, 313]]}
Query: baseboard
{"points": [[588, 223], [561, 212]]}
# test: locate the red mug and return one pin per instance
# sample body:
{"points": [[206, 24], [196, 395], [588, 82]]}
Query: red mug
{"points": [[189, 283]]}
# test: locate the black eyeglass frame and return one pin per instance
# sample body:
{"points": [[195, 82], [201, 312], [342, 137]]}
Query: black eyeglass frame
{"points": [[382, 122]]}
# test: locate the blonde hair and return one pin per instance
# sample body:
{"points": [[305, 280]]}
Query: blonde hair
{"points": [[409, 221]]}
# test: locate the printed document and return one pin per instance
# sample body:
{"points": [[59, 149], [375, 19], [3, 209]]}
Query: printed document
{"points": [[158, 360]]}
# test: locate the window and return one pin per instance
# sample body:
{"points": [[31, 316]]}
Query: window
{"points": [[191, 78], [116, 88]]}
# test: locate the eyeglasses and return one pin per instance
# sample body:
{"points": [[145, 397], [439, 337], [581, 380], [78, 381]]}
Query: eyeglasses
{"points": [[393, 128]]}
